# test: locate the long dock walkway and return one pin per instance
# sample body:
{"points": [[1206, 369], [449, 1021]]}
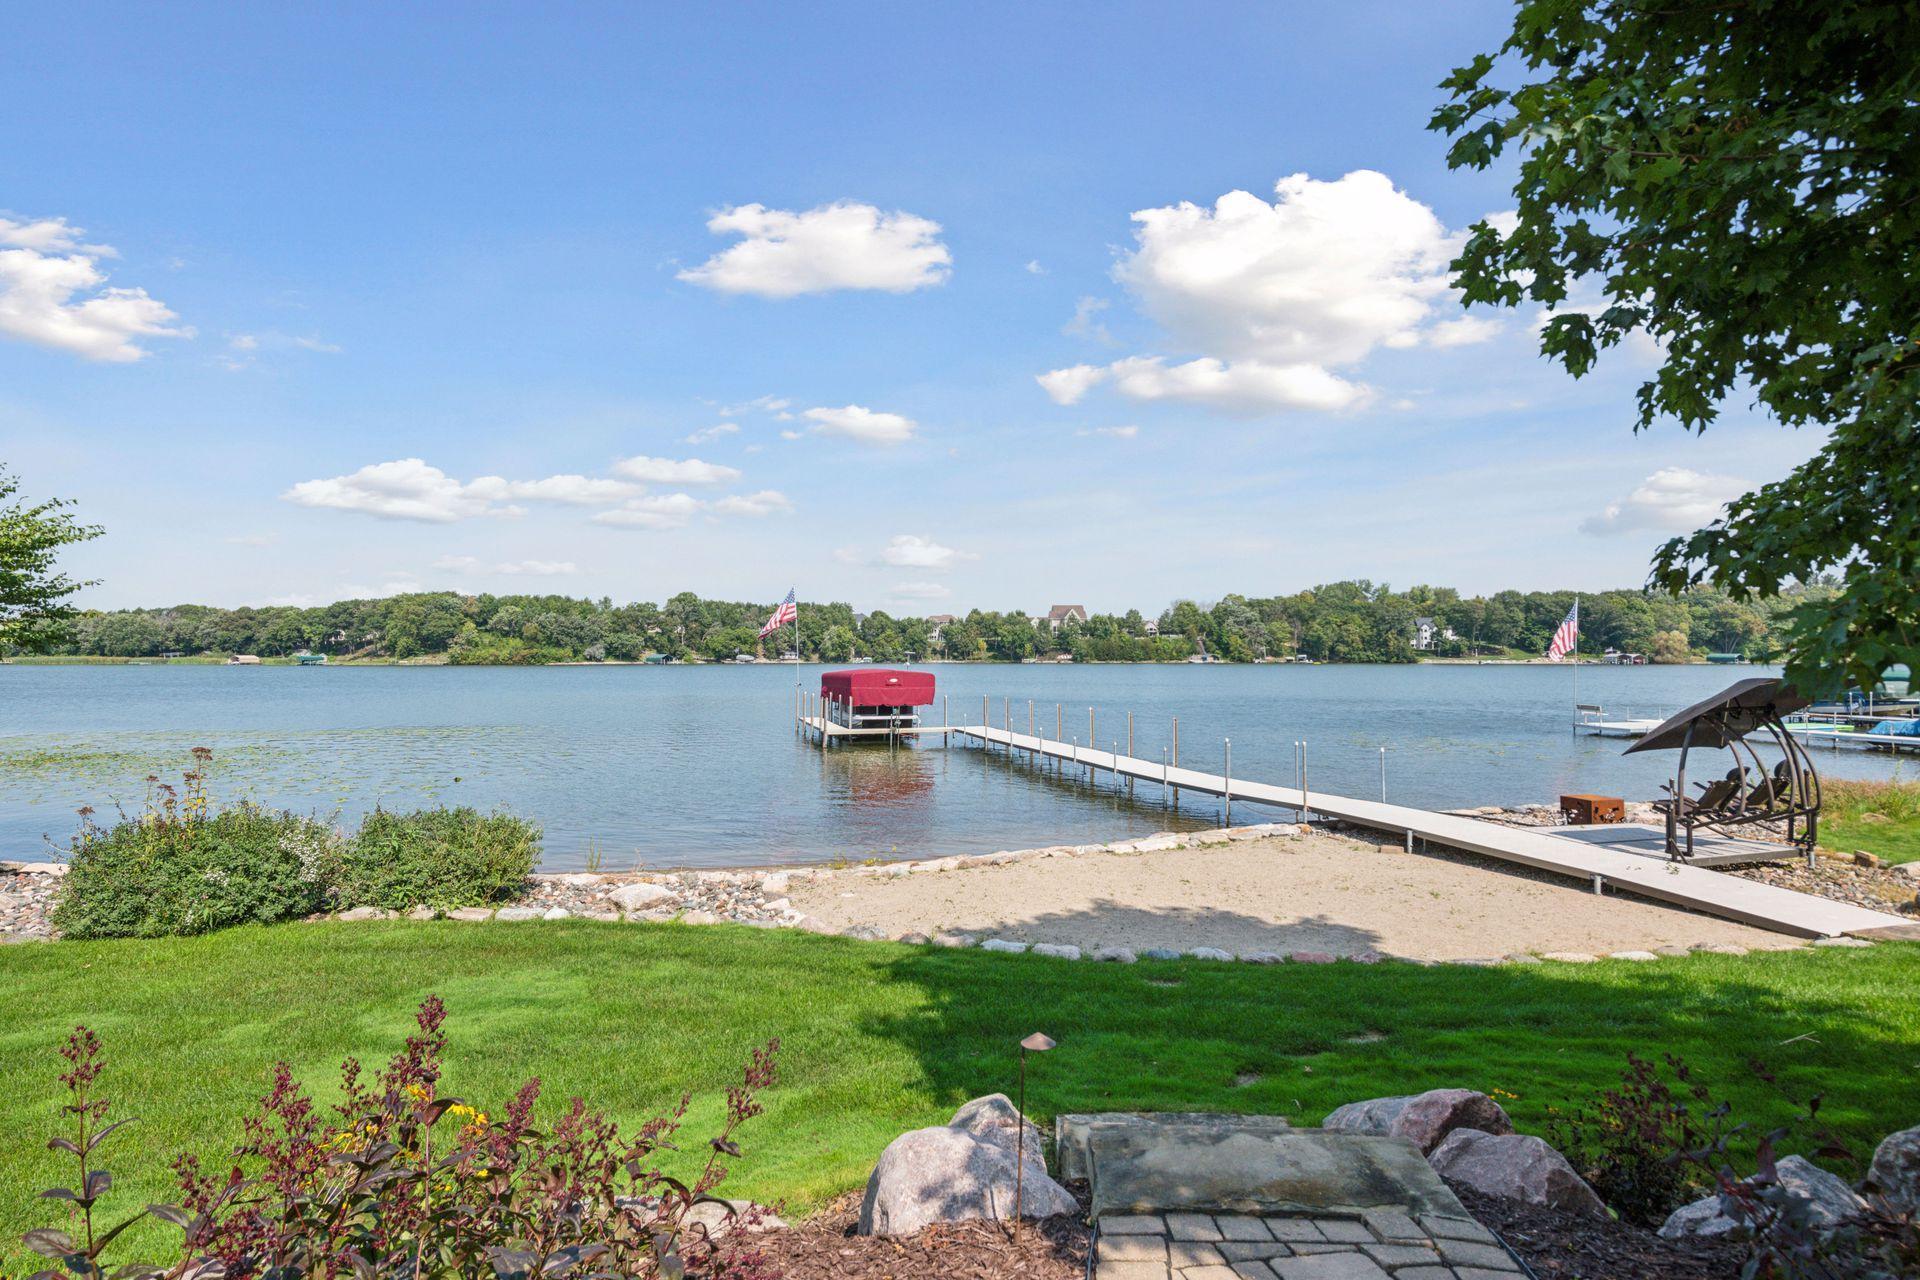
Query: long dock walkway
{"points": [[1716, 893]]}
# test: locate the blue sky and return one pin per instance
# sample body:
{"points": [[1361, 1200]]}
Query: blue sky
{"points": [[627, 300]]}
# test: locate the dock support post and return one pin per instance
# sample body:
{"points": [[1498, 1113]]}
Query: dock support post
{"points": [[1383, 775], [1129, 752], [1176, 760], [1598, 884], [1227, 779], [1409, 839], [986, 723], [1059, 731], [946, 719], [1033, 749], [1302, 814]]}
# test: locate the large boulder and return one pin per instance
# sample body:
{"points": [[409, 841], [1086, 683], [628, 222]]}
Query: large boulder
{"points": [[1825, 1200], [638, 896], [960, 1170], [995, 1119], [1895, 1173], [1423, 1119], [1515, 1167]]}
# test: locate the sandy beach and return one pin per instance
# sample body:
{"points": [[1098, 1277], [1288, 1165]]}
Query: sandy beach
{"points": [[1315, 892]]}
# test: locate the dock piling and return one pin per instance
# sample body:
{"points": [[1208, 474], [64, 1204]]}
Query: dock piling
{"points": [[1383, 775], [1226, 789]]}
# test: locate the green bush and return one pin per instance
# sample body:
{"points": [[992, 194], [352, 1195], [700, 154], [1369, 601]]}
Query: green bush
{"points": [[180, 870], [438, 858]]}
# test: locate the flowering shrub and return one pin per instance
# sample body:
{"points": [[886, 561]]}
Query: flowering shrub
{"points": [[402, 1181], [436, 858], [1626, 1142], [180, 866]]}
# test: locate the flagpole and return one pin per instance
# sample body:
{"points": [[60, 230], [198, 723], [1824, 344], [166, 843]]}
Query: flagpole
{"points": [[1576, 655], [796, 628]]}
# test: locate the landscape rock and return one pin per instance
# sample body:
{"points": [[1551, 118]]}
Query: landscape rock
{"points": [[1311, 957], [945, 1174], [1002, 944], [1059, 950], [1210, 953], [1424, 1119], [1368, 957], [1632, 955], [776, 884], [914, 938], [1895, 1172], [1115, 955], [1571, 957], [1515, 1167], [365, 913], [518, 913], [421, 913], [1159, 953], [1826, 1200], [470, 913], [1262, 957], [638, 896], [577, 879], [555, 913], [863, 932], [709, 917], [995, 1119], [958, 940], [1842, 941]]}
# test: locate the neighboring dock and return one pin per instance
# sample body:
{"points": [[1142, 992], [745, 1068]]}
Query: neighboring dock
{"points": [[1697, 888], [1577, 858]]}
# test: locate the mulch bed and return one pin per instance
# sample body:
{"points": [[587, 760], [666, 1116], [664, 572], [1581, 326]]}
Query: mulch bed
{"points": [[825, 1248], [1566, 1245]]}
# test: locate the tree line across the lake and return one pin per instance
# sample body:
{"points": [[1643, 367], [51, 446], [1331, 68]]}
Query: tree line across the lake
{"points": [[1337, 622]]}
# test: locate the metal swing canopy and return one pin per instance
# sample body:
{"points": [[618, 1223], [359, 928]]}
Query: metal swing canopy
{"points": [[1726, 717], [1750, 795]]}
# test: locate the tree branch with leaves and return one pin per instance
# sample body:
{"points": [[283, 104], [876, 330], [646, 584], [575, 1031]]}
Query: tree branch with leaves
{"points": [[1741, 183], [34, 597]]}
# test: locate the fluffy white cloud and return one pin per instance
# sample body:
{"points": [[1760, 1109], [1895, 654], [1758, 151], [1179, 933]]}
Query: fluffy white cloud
{"points": [[412, 489], [1069, 385], [837, 246], [671, 471], [1322, 275], [764, 503], [52, 292], [1086, 322], [1274, 296], [1671, 500], [921, 591], [405, 489], [911, 551], [666, 511], [1117, 433], [1245, 386], [857, 422], [714, 432]]}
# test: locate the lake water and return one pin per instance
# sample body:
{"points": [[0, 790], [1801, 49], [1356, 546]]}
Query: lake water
{"points": [[672, 766]]}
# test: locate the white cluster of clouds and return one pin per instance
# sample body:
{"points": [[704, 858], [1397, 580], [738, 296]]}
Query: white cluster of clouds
{"points": [[1275, 298], [857, 422], [844, 245], [413, 489], [911, 551], [1671, 500], [53, 293]]}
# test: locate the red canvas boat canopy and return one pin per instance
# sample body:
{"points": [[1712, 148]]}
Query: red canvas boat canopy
{"points": [[878, 687]]}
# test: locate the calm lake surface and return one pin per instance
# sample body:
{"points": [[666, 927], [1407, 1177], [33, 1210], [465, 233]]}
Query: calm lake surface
{"points": [[671, 766]]}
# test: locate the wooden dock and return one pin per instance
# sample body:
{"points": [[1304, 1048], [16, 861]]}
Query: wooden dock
{"points": [[1696, 888]]}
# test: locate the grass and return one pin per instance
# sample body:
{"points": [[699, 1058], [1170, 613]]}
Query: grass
{"points": [[1881, 818], [878, 1038]]}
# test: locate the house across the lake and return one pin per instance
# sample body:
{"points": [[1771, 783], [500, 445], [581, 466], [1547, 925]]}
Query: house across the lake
{"points": [[1059, 615], [1428, 633]]}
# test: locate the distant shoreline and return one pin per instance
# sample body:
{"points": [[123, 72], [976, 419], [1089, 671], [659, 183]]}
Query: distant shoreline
{"points": [[439, 660]]}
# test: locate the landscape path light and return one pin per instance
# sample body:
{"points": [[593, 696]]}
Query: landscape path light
{"points": [[1038, 1042]]}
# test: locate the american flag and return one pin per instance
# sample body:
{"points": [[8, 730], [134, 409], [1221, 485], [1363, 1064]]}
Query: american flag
{"points": [[1567, 638], [785, 612]]}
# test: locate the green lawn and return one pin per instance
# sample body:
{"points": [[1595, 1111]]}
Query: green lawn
{"points": [[1881, 818], [879, 1037]]}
